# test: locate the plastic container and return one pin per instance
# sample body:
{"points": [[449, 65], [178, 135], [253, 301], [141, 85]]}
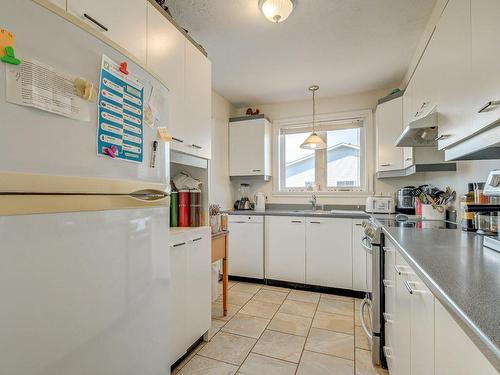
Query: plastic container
{"points": [[184, 208], [431, 213], [194, 208], [174, 209]]}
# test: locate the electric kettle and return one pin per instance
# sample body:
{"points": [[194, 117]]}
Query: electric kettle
{"points": [[260, 201]]}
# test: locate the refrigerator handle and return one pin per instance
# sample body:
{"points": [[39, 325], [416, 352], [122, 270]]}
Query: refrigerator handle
{"points": [[150, 195]]}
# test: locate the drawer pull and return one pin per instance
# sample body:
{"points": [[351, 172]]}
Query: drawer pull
{"points": [[196, 146], [411, 290], [388, 249], [387, 283], [387, 318], [485, 108], [358, 224], [386, 165], [443, 136], [93, 20], [408, 159], [197, 239], [256, 170], [179, 244], [400, 271], [177, 140], [297, 221], [315, 222], [387, 352]]}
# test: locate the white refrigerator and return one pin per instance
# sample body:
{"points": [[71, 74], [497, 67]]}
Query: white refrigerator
{"points": [[84, 256]]}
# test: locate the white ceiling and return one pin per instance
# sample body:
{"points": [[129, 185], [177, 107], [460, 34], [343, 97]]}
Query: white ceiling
{"points": [[345, 46]]}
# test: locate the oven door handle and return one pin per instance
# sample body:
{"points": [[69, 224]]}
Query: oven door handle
{"points": [[364, 303], [368, 249]]}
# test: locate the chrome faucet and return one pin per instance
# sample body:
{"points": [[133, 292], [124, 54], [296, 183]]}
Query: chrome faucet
{"points": [[313, 201]]}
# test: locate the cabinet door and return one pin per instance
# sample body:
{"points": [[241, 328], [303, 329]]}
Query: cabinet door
{"points": [[125, 21], [247, 249], [390, 292], [401, 319], [485, 86], [166, 57], [178, 293], [198, 102], [422, 328], [285, 248], [361, 260], [455, 353], [452, 56], [329, 252], [389, 122], [408, 115], [199, 290], [247, 148]]}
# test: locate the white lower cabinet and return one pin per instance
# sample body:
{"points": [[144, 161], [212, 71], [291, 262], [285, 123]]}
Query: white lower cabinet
{"points": [[361, 259], [190, 262], [285, 248], [246, 246], [329, 252], [455, 353]]}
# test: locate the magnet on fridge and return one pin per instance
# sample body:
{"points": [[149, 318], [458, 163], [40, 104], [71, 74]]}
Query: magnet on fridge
{"points": [[111, 151], [85, 89], [163, 134], [10, 56], [124, 67]]}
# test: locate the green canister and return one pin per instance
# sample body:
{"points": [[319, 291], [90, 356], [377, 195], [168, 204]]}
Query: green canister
{"points": [[174, 209]]}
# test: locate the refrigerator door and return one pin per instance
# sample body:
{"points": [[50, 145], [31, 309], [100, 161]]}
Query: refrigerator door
{"points": [[38, 142], [85, 293]]}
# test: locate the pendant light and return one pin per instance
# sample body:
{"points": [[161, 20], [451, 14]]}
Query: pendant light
{"points": [[276, 10], [314, 142]]}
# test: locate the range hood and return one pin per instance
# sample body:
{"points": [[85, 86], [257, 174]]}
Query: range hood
{"points": [[482, 145], [421, 132]]}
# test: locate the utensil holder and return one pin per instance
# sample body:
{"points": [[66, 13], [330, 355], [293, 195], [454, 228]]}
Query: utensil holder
{"points": [[431, 213], [215, 223]]}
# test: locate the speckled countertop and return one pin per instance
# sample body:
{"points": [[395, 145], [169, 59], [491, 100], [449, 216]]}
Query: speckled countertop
{"points": [[462, 274], [349, 214]]}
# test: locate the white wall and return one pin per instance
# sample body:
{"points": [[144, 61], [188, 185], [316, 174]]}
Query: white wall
{"points": [[220, 186]]}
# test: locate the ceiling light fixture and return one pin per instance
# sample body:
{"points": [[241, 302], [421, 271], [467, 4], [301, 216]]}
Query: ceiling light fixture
{"points": [[276, 10], [314, 141]]}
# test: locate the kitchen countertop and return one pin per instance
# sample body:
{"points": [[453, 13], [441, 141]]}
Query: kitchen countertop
{"points": [[347, 214], [462, 274]]}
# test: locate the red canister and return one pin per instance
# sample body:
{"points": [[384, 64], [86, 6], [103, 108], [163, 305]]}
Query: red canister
{"points": [[184, 208]]}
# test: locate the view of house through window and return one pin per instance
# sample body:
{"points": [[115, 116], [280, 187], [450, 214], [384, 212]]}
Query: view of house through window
{"points": [[337, 167]]}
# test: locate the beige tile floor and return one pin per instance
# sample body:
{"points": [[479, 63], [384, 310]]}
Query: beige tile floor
{"points": [[278, 331]]}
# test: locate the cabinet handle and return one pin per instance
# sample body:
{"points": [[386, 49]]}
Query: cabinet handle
{"points": [[177, 140], [197, 239], [358, 224], [179, 244], [91, 19], [408, 287], [315, 222], [297, 221], [387, 352], [239, 222], [256, 170], [387, 283], [196, 146], [399, 270], [368, 249], [387, 318], [409, 159], [387, 249], [485, 107], [386, 165], [443, 136]]}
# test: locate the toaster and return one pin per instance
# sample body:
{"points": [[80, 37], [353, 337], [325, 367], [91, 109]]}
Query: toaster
{"points": [[380, 205]]}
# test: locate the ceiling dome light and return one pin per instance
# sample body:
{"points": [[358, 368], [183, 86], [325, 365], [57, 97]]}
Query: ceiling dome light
{"points": [[314, 141], [276, 10]]}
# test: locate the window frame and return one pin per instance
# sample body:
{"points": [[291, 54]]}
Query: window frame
{"points": [[366, 148]]}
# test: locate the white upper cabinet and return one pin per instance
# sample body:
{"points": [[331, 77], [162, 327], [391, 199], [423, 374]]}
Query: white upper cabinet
{"points": [[250, 147], [166, 57], [123, 21], [329, 252], [389, 123], [197, 102], [485, 87]]}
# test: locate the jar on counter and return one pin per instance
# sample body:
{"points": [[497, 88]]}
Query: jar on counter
{"points": [[479, 197], [468, 222], [494, 222]]}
